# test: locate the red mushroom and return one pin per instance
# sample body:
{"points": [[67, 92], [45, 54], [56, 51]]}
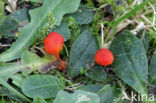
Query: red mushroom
{"points": [[104, 57], [53, 45]]}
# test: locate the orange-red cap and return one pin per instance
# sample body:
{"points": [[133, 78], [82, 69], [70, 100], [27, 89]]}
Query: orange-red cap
{"points": [[54, 43], [104, 57]]}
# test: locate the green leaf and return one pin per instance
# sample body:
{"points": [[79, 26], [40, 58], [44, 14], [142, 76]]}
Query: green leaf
{"points": [[107, 94], [11, 95], [83, 16], [10, 24], [20, 15], [9, 69], [7, 26], [144, 38], [36, 1], [17, 80], [82, 53], [13, 91], [32, 31], [38, 99], [29, 61], [77, 97], [130, 63], [92, 88], [45, 86], [152, 70], [63, 30], [97, 73]]}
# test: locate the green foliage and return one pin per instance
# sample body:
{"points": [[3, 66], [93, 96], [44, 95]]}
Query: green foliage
{"points": [[95, 26], [108, 94], [152, 70], [48, 26], [1, 11], [3, 100], [91, 88], [45, 86], [83, 16], [36, 1], [63, 29], [29, 61], [127, 15], [130, 62], [84, 81], [13, 90], [90, 3], [82, 53], [32, 31], [142, 35], [152, 38], [77, 97], [97, 73], [17, 80], [11, 23], [38, 99]]}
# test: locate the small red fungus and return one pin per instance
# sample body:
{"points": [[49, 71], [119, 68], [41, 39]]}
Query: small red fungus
{"points": [[104, 57], [53, 45]]}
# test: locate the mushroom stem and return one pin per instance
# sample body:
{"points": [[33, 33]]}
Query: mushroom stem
{"points": [[63, 64], [57, 56]]}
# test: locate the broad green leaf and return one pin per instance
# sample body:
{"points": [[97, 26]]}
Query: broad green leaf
{"points": [[82, 53], [45, 86], [20, 15], [97, 73], [108, 94], [152, 70], [9, 69], [92, 88], [63, 30], [39, 20], [29, 61], [130, 61], [7, 26], [38, 99], [77, 97], [83, 16], [10, 24]]}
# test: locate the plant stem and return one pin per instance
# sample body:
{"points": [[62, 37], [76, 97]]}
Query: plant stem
{"points": [[66, 50], [102, 35]]}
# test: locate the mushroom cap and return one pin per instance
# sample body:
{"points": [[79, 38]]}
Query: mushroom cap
{"points": [[54, 43], [104, 57]]}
